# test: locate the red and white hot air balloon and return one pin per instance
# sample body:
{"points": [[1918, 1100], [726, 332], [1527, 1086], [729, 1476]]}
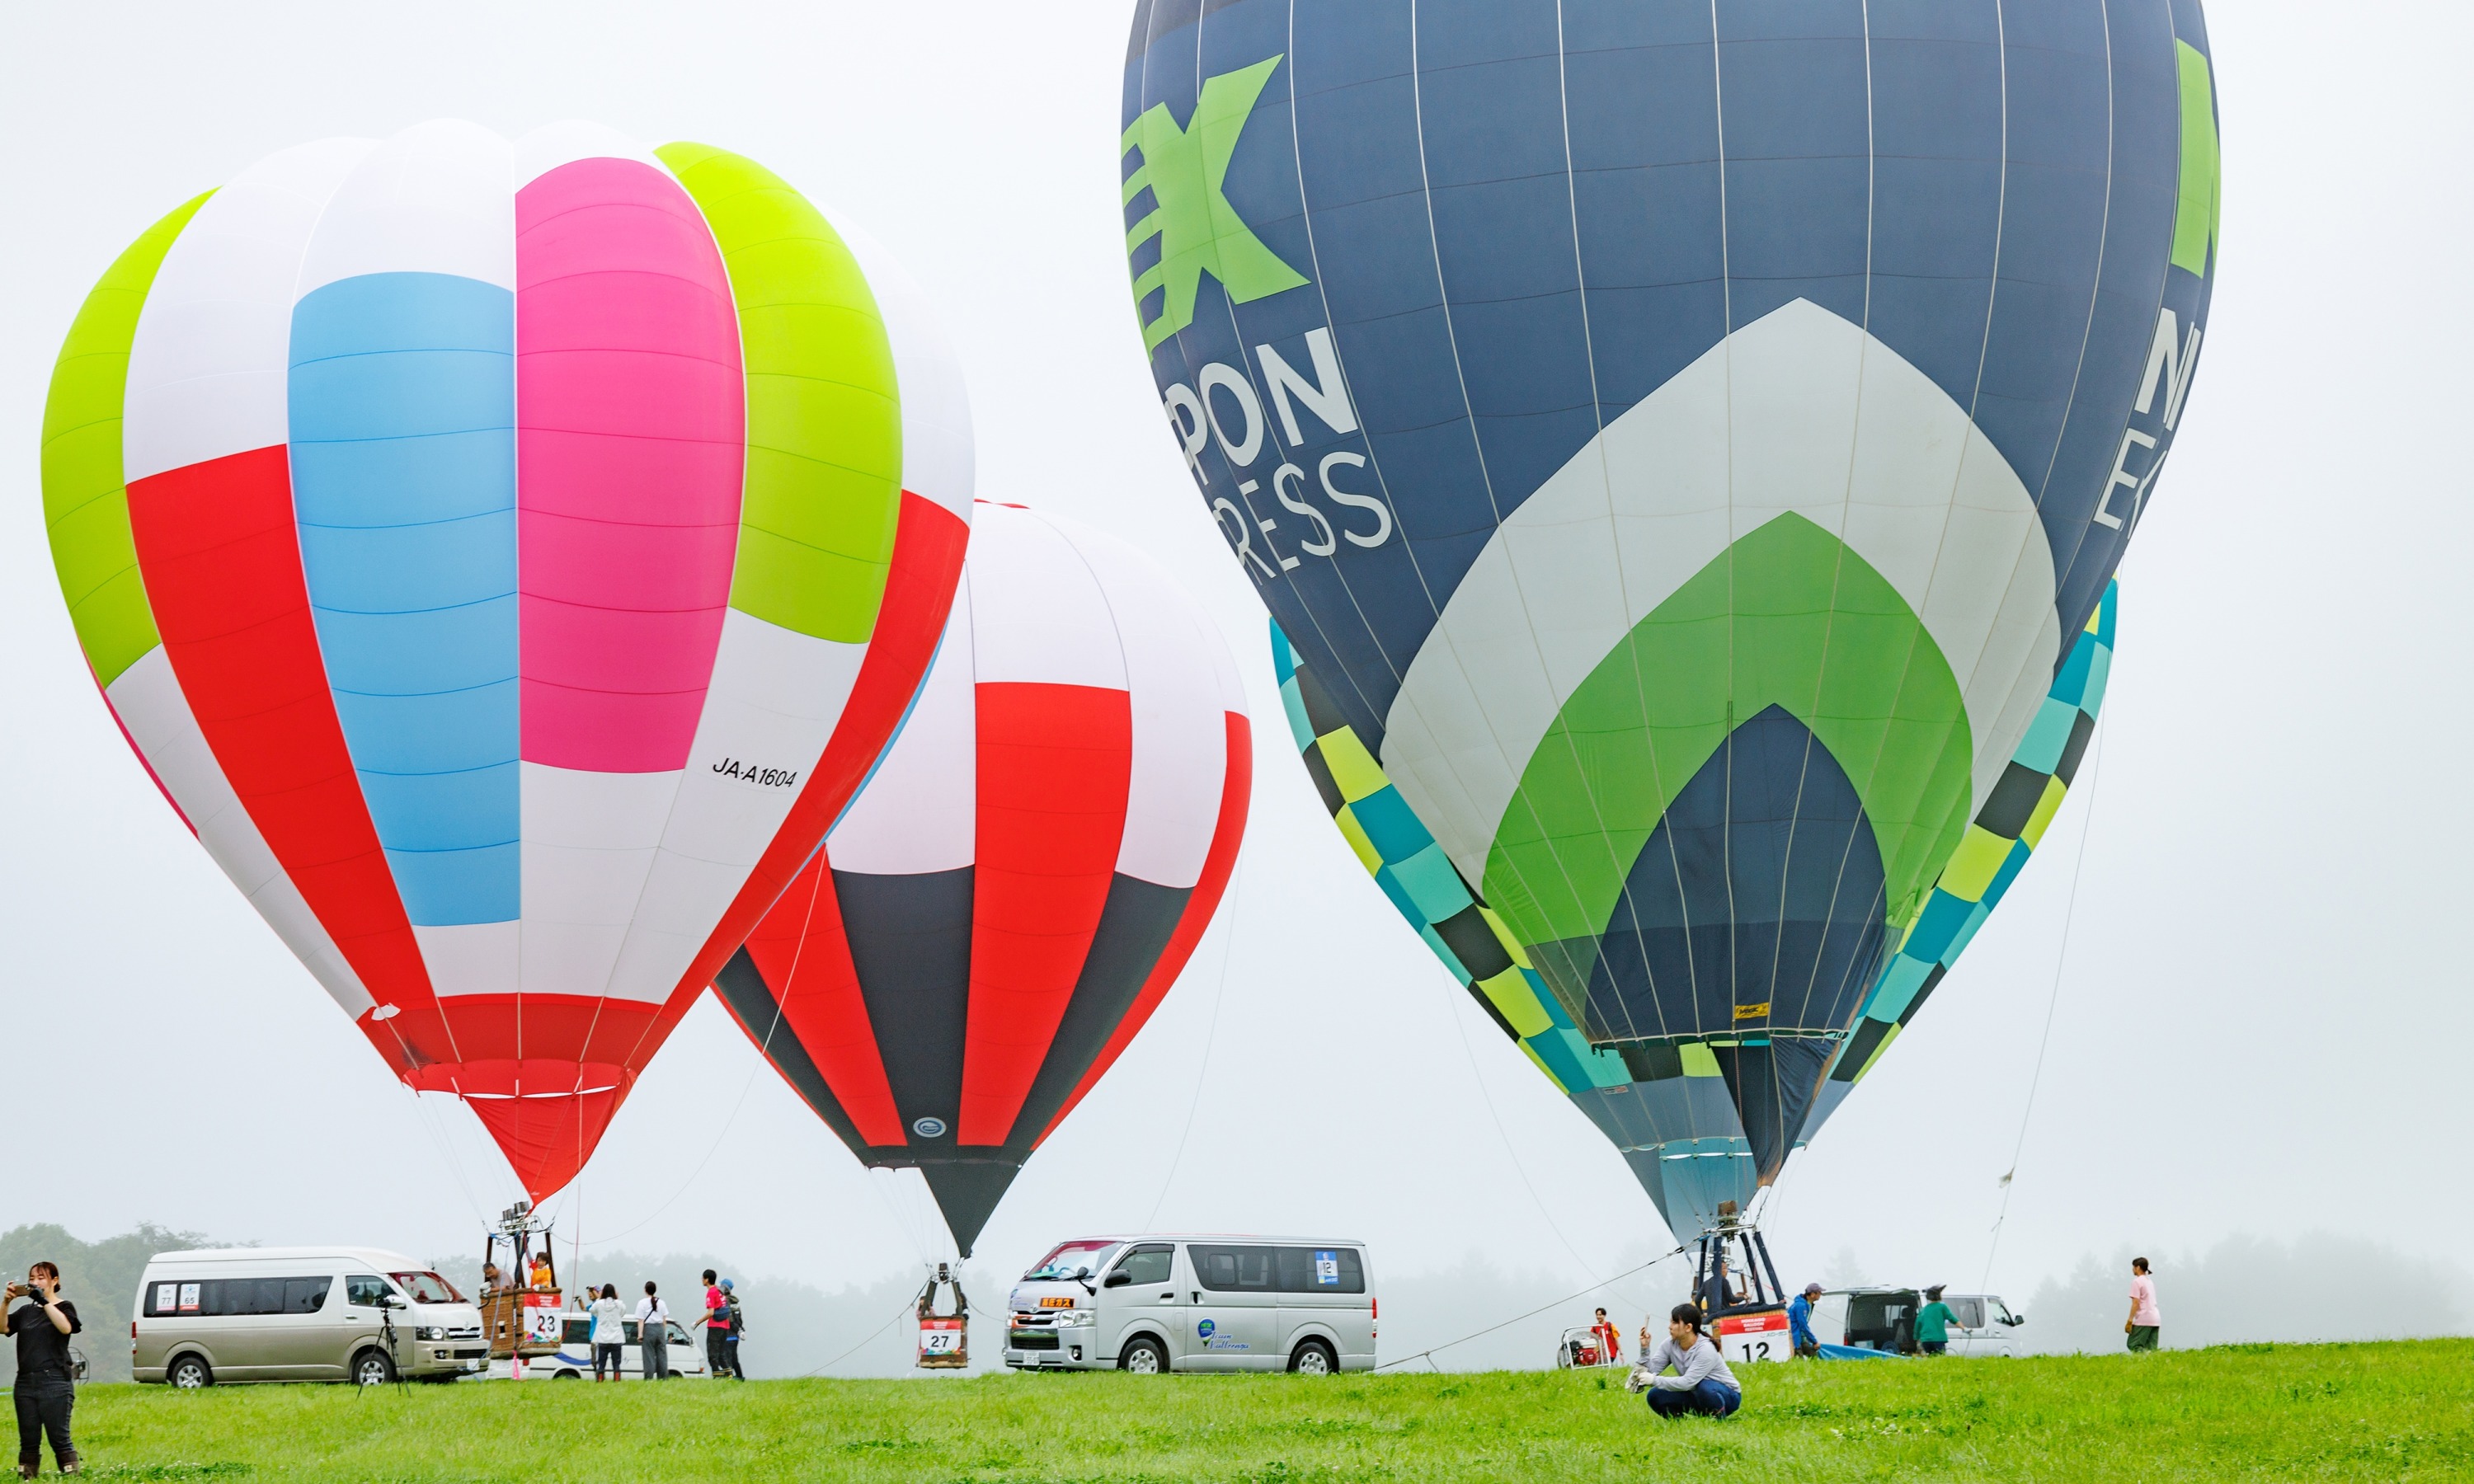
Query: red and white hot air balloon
{"points": [[1021, 881], [508, 559]]}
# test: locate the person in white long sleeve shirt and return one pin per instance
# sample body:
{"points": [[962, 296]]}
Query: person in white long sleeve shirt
{"points": [[1701, 1383]]}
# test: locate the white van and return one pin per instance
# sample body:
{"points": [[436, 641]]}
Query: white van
{"points": [[1153, 1303], [1884, 1318], [573, 1361], [299, 1314]]}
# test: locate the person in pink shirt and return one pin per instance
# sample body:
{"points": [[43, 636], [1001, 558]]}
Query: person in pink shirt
{"points": [[716, 1329], [2144, 1317]]}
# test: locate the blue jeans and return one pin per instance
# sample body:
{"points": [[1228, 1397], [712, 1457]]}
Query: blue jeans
{"points": [[1712, 1397]]}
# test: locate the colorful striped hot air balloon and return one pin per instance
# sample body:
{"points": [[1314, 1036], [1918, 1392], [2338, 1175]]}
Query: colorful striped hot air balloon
{"points": [[1020, 884], [508, 559], [1683, 447]]}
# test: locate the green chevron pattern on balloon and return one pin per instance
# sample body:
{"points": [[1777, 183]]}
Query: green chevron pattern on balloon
{"points": [[1788, 616]]}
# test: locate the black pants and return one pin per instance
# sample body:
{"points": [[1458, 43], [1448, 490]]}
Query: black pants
{"points": [[716, 1357], [730, 1357], [43, 1405]]}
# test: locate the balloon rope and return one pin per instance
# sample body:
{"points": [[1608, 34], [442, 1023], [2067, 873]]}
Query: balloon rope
{"points": [[763, 1047], [2061, 959], [1487, 1097], [1227, 949], [908, 1305], [1542, 1308]]}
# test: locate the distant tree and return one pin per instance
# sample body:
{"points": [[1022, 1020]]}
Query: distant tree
{"points": [[100, 1278]]}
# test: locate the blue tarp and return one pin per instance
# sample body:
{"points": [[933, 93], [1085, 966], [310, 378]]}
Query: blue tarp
{"points": [[1854, 1353]]}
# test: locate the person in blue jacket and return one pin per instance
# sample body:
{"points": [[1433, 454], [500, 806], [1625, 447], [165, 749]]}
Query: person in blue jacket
{"points": [[1799, 1323]]}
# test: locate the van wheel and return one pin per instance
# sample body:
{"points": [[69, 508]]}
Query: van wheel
{"points": [[1313, 1357], [371, 1368], [1143, 1356], [189, 1373]]}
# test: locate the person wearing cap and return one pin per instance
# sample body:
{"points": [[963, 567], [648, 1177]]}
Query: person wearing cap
{"points": [[731, 1336], [1799, 1323], [1932, 1323]]}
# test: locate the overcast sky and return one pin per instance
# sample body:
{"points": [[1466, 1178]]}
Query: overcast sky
{"points": [[2261, 1025]]}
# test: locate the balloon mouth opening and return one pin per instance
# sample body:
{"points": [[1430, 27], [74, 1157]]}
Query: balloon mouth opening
{"points": [[524, 1081]]}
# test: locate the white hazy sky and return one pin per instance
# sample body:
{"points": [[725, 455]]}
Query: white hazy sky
{"points": [[2261, 1026]]}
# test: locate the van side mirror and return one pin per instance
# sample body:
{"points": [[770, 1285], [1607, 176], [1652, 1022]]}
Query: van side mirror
{"points": [[1117, 1279], [2018, 1319], [391, 1301]]}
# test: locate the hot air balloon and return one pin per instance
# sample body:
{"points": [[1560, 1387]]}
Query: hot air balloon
{"points": [[508, 560], [1682, 448], [1021, 881]]}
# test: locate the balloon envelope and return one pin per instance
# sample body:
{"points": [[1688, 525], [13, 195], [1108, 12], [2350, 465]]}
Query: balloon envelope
{"points": [[1680, 445], [1021, 881], [507, 559]]}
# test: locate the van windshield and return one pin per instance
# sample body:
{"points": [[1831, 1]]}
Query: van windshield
{"points": [[1068, 1258], [427, 1288]]}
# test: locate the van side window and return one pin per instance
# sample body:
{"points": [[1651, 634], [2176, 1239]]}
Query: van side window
{"points": [[363, 1291], [1236, 1269], [1971, 1313], [1321, 1270], [1150, 1264], [238, 1296]]}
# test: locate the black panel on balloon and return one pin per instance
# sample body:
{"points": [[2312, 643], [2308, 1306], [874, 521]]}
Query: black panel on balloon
{"points": [[1134, 927], [910, 942], [743, 987], [1472, 940], [1762, 887], [968, 1190], [1773, 1086]]}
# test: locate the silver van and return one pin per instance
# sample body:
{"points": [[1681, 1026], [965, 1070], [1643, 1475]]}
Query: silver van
{"points": [[299, 1314], [1153, 1303]]}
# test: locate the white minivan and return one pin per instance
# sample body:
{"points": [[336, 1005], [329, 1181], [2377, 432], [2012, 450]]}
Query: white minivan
{"points": [[1153, 1303], [300, 1315]]}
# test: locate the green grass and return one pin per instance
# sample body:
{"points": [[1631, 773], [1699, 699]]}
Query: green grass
{"points": [[2386, 1411]]}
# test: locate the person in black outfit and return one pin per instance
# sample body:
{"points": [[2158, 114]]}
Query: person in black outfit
{"points": [[46, 1387]]}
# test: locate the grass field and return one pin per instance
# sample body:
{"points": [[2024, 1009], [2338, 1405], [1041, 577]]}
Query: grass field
{"points": [[2384, 1411]]}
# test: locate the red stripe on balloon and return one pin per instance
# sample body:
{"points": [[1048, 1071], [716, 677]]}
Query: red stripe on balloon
{"points": [[221, 560], [1054, 764], [1225, 835], [803, 952]]}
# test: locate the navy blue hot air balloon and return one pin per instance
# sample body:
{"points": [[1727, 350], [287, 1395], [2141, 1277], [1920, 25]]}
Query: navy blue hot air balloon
{"points": [[1685, 449]]}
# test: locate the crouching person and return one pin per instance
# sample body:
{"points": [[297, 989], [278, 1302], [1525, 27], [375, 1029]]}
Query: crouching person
{"points": [[1701, 1383]]}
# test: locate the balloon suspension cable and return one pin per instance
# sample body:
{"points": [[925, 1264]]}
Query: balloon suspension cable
{"points": [[1428, 1353], [445, 1151], [2052, 1001], [1220, 992], [1486, 1095], [909, 1306], [764, 1050]]}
